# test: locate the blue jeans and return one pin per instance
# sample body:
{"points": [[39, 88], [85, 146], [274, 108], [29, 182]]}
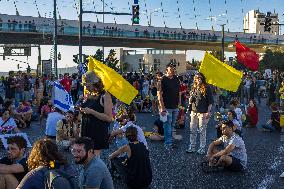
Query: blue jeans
{"points": [[171, 120]]}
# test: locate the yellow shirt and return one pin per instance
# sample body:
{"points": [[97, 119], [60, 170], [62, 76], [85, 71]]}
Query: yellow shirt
{"points": [[281, 91]]}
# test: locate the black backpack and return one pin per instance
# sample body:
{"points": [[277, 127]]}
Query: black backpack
{"points": [[58, 179]]}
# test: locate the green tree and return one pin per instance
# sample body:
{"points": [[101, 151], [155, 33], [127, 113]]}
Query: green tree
{"points": [[99, 55], [272, 60], [111, 61]]}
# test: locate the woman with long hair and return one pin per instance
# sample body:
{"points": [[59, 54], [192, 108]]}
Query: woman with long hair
{"points": [[96, 111], [45, 156], [201, 100]]}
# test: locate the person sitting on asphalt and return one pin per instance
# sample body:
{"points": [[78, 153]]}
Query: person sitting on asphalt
{"points": [[45, 110], [147, 105], [23, 113], [66, 131], [45, 158], [158, 131], [136, 171], [51, 122], [234, 104], [233, 117], [252, 114], [274, 122], [13, 167], [127, 123], [7, 123], [234, 156], [95, 173]]}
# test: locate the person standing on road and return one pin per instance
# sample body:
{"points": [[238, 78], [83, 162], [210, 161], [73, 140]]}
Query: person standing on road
{"points": [[169, 99], [96, 112], [201, 99]]}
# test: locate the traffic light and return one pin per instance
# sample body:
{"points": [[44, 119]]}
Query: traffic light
{"points": [[135, 14], [75, 58], [59, 56]]}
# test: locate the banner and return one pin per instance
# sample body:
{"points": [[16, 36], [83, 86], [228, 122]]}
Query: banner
{"points": [[220, 74], [61, 98], [113, 82], [247, 57]]}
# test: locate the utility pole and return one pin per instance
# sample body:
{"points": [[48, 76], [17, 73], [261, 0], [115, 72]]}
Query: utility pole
{"points": [[103, 48], [55, 39], [223, 42], [80, 31]]}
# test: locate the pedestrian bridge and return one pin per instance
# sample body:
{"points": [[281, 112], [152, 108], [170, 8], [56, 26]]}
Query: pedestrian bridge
{"points": [[34, 30]]}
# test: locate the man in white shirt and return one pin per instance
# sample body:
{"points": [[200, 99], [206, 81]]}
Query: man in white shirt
{"points": [[51, 122]]}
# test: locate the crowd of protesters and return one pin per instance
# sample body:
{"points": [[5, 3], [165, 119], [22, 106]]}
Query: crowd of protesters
{"points": [[24, 98]]}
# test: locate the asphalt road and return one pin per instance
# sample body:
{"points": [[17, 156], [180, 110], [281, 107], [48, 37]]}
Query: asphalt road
{"points": [[177, 169]]}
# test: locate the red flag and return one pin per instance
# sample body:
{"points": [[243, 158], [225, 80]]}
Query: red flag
{"points": [[247, 57]]}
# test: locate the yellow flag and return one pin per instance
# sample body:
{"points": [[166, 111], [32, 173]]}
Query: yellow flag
{"points": [[220, 74], [114, 83]]}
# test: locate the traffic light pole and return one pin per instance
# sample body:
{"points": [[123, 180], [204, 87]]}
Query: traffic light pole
{"points": [[223, 42], [81, 12]]}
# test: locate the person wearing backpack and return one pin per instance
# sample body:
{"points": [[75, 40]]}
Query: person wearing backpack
{"points": [[48, 168], [95, 174]]}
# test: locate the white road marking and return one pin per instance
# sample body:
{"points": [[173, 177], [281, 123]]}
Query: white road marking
{"points": [[269, 179]]}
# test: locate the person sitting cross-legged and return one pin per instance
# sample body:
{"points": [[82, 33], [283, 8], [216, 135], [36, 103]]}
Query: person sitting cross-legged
{"points": [[136, 170], [233, 157], [13, 167], [23, 113]]}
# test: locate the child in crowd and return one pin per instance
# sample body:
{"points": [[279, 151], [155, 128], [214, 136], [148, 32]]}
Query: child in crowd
{"points": [[234, 104], [138, 103], [120, 139], [158, 131], [147, 105], [129, 121], [252, 114], [274, 122], [180, 118], [45, 110]]}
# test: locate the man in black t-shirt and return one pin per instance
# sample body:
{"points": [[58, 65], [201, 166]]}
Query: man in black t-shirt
{"points": [[13, 167], [169, 98]]}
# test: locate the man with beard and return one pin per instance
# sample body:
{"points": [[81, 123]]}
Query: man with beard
{"points": [[13, 167], [95, 174]]}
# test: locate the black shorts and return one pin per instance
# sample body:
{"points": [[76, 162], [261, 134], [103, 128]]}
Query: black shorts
{"points": [[235, 165]]}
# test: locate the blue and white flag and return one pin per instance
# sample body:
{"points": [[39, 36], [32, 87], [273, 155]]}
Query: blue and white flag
{"points": [[61, 98]]}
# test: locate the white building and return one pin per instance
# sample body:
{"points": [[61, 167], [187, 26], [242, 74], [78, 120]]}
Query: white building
{"points": [[153, 60], [254, 23]]}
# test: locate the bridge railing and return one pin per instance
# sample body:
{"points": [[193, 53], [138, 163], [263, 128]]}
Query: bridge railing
{"points": [[116, 32]]}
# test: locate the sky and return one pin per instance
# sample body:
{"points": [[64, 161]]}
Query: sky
{"points": [[207, 14]]}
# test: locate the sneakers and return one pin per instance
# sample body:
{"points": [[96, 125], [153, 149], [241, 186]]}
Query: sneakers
{"points": [[201, 151], [190, 150]]}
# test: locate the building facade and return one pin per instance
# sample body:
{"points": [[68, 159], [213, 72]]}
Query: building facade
{"points": [[254, 22], [153, 60]]}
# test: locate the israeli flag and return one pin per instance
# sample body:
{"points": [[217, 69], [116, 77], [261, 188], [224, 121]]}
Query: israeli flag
{"points": [[61, 98]]}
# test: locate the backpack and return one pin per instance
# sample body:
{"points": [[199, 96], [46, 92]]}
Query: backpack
{"points": [[58, 179]]}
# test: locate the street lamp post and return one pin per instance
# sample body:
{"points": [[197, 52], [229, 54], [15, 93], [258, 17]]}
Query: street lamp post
{"points": [[55, 39]]}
